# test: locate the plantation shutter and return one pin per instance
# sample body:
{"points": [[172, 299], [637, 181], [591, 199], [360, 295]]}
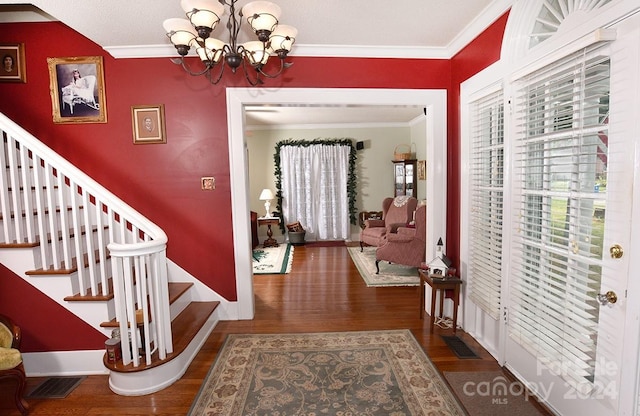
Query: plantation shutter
{"points": [[486, 189], [560, 167]]}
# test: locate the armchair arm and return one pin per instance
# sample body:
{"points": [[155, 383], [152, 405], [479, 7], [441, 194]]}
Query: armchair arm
{"points": [[373, 223], [408, 231], [400, 238], [393, 228]]}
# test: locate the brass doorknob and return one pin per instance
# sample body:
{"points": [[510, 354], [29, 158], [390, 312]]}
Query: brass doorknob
{"points": [[616, 251], [609, 297]]}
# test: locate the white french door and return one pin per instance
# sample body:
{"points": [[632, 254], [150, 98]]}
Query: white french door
{"points": [[571, 213]]}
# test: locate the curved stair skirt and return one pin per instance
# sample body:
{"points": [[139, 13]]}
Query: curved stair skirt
{"points": [[139, 383]]}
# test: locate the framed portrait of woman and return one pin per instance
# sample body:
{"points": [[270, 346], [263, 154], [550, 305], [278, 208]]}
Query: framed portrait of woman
{"points": [[13, 67], [77, 90]]}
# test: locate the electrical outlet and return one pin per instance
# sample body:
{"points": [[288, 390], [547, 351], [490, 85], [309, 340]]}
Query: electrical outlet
{"points": [[208, 183]]}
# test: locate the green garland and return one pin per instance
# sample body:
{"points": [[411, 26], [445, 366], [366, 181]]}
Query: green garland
{"points": [[351, 181]]}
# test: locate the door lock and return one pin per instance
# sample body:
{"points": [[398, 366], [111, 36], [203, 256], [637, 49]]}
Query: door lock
{"points": [[609, 297]]}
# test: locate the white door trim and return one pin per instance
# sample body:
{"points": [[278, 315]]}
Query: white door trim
{"points": [[435, 101]]}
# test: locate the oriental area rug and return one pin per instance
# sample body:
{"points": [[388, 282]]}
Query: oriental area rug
{"points": [[390, 274], [383, 373], [273, 260]]}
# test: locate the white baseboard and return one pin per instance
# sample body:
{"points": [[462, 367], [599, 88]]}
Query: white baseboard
{"points": [[64, 363]]}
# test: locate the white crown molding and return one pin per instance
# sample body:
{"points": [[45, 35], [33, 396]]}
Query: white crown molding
{"points": [[346, 51], [489, 15], [311, 126], [369, 51]]}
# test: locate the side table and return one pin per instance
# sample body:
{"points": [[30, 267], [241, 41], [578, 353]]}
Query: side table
{"points": [[270, 241], [439, 284]]}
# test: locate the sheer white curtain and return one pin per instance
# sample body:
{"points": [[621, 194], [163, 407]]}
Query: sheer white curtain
{"points": [[314, 189]]}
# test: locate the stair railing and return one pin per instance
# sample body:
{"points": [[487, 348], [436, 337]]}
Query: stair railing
{"points": [[79, 226]]}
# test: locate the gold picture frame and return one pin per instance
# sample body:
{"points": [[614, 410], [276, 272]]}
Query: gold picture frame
{"points": [[148, 124], [13, 63], [77, 90], [422, 170]]}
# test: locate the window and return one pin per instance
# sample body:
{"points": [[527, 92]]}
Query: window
{"points": [[486, 202], [560, 176]]}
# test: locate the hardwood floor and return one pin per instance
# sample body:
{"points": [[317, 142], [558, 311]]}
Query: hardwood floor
{"points": [[324, 292]]}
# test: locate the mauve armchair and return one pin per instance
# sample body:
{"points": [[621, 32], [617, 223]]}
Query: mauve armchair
{"points": [[396, 212], [408, 245]]}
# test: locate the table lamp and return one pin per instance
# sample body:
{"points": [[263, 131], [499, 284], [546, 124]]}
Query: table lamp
{"points": [[266, 195]]}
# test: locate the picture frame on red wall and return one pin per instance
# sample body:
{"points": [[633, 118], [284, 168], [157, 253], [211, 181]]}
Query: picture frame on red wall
{"points": [[13, 63], [77, 89], [148, 124]]}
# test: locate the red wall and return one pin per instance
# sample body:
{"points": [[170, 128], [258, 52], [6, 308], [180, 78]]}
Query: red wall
{"points": [[483, 51], [45, 325], [163, 181]]}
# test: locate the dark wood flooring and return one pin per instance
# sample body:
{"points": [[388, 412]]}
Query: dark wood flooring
{"points": [[324, 292]]}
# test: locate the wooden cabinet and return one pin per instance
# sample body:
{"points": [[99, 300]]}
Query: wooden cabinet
{"points": [[405, 178]]}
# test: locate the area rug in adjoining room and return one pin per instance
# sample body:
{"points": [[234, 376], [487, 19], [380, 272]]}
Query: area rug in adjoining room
{"points": [[490, 393], [273, 260], [390, 274], [350, 373]]}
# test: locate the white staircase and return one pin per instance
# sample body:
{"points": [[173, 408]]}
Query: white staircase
{"points": [[103, 261]]}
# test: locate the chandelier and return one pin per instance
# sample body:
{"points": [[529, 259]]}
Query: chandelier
{"points": [[202, 18]]}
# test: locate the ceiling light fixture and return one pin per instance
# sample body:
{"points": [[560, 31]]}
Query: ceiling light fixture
{"points": [[202, 18]]}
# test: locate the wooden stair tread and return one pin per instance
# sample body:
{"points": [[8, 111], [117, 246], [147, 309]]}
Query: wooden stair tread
{"points": [[19, 245], [63, 270], [46, 212], [89, 297], [176, 289], [184, 328], [49, 239]]}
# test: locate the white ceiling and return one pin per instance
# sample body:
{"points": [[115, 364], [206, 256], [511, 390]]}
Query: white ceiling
{"points": [[369, 28]]}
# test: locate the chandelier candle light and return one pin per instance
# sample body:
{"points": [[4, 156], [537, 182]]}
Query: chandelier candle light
{"points": [[266, 195], [202, 18]]}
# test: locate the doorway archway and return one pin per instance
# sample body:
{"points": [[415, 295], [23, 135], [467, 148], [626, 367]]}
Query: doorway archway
{"points": [[434, 101]]}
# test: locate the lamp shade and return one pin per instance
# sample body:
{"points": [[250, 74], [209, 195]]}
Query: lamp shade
{"points": [[266, 195], [203, 13], [257, 55], [179, 31], [212, 50], [262, 15], [282, 38]]}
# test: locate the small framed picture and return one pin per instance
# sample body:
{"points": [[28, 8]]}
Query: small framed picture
{"points": [[13, 63], [422, 170], [77, 90], [148, 124]]}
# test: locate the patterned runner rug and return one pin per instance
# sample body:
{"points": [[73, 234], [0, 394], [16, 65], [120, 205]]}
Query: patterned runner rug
{"points": [[335, 373], [390, 274], [273, 260]]}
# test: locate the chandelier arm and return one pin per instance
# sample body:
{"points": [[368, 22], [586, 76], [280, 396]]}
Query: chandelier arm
{"points": [[283, 66], [220, 72], [181, 61], [245, 69]]}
